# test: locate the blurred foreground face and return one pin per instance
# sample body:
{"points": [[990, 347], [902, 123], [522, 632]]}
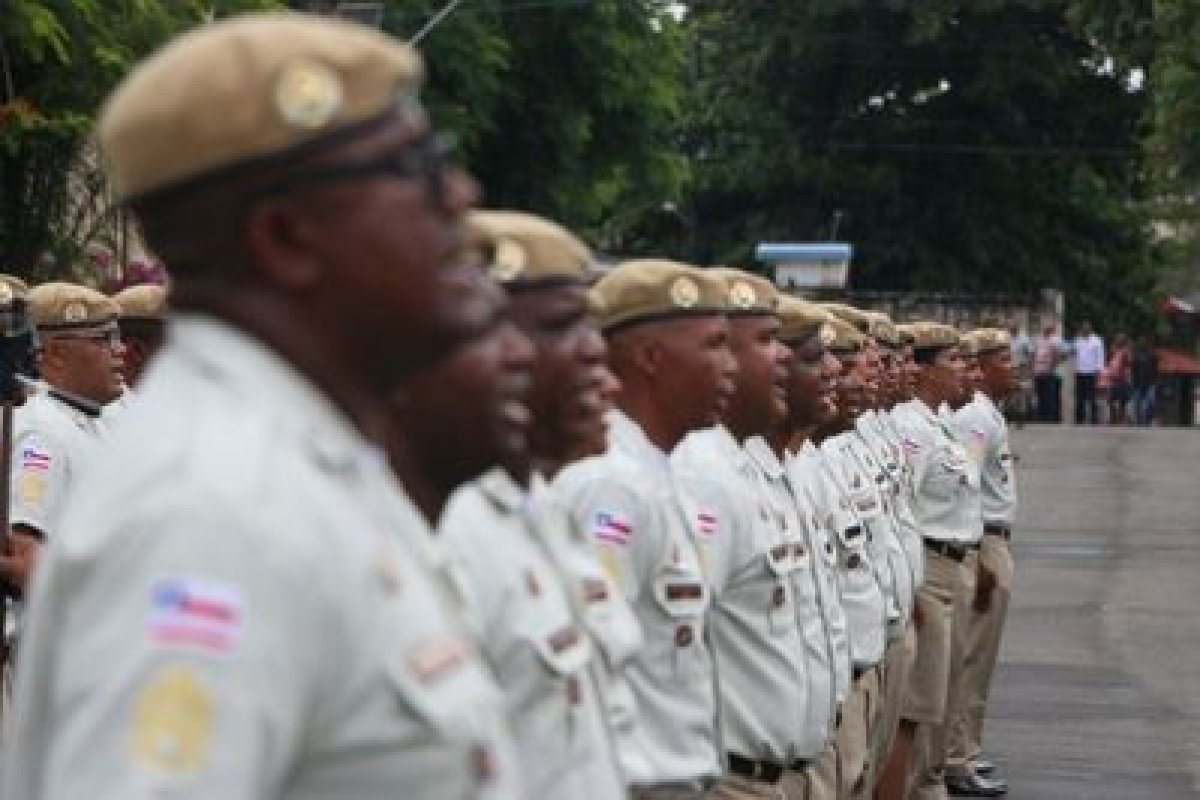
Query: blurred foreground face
{"points": [[468, 413], [572, 386]]}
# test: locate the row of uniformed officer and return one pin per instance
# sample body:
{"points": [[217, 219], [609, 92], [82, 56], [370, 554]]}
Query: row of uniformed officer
{"points": [[712, 602]]}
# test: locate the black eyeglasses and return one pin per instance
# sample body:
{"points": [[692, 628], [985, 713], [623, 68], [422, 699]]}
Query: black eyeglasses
{"points": [[427, 159]]}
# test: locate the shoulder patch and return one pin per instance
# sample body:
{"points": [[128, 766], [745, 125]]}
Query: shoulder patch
{"points": [[611, 527], [706, 522], [173, 723], [195, 614]]}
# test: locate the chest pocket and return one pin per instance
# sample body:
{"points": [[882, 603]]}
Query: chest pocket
{"points": [[440, 678], [853, 549], [784, 564], [609, 619], [680, 592], [950, 476]]}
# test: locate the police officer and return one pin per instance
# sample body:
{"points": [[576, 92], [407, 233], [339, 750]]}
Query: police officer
{"points": [[534, 580], [273, 622], [669, 346], [862, 567], [58, 430], [143, 319], [812, 372], [987, 430], [944, 502], [766, 627]]}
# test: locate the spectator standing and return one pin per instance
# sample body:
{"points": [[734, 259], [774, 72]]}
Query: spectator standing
{"points": [[1048, 351], [1089, 361], [1116, 372], [1021, 403], [1143, 376]]}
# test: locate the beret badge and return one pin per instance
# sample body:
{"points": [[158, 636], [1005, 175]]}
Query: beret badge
{"points": [[308, 94]]}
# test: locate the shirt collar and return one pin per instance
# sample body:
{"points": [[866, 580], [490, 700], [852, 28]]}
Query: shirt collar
{"points": [[248, 367], [627, 435], [760, 452]]}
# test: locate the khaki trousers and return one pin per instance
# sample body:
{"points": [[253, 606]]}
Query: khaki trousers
{"points": [[791, 786], [893, 681], [950, 583], [823, 780], [860, 720], [983, 649]]}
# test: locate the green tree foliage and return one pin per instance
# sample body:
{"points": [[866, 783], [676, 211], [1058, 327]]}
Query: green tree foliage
{"points": [[565, 107], [962, 145], [58, 60]]}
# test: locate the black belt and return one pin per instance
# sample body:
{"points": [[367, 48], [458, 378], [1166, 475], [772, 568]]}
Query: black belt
{"points": [[765, 771], [861, 669], [997, 529], [952, 550]]}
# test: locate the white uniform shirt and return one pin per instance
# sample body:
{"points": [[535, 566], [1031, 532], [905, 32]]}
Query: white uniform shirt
{"points": [[52, 441], [944, 500], [824, 517], [242, 604], [862, 596], [526, 619], [887, 552], [627, 501], [759, 567], [987, 431]]}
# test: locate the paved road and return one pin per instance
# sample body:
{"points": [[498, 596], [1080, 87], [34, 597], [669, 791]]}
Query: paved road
{"points": [[1098, 695]]}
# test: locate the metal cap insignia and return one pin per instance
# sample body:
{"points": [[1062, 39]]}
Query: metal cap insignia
{"points": [[684, 292], [508, 260], [75, 312], [741, 295], [308, 94]]}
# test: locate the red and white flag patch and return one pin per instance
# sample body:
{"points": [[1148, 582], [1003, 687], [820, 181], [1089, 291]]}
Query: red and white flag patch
{"points": [[608, 526], [706, 522], [33, 457], [195, 614]]}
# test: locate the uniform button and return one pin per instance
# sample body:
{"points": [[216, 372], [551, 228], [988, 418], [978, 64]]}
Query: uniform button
{"points": [[683, 636], [778, 597], [532, 584], [854, 561], [798, 550], [483, 763]]}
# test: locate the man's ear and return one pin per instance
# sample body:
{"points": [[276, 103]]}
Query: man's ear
{"points": [[278, 238]]}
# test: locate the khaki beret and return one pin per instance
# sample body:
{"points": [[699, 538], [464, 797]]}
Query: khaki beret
{"points": [[745, 292], [934, 334], [517, 248], [799, 318], [11, 287], [842, 337], [856, 317], [989, 340], [882, 329], [68, 306], [234, 92], [145, 301], [645, 290]]}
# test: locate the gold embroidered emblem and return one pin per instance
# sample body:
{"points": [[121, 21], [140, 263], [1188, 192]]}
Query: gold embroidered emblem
{"points": [[684, 292], [173, 723]]}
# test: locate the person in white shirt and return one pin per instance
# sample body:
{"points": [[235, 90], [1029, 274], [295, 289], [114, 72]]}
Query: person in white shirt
{"points": [[987, 430], [241, 602], [775, 678], [944, 501], [1089, 361], [668, 340]]}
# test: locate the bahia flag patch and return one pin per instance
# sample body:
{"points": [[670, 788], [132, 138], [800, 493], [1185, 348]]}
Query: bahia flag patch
{"points": [[33, 457], [611, 527], [195, 614], [706, 522]]}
